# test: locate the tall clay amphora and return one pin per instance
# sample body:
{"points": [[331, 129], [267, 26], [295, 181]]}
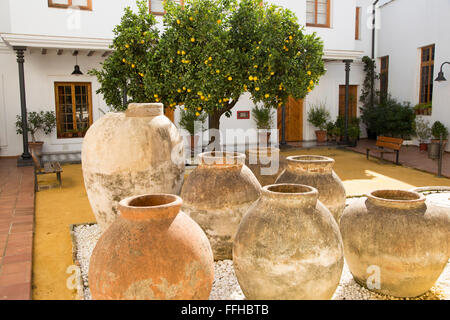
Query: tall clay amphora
{"points": [[288, 246], [135, 152], [217, 194], [265, 163], [153, 251], [317, 171], [395, 243]]}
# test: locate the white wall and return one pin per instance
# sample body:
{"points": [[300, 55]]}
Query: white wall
{"points": [[406, 26]]}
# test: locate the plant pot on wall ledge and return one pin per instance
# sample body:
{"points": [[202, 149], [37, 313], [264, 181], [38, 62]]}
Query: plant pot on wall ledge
{"points": [[423, 146], [321, 135]]}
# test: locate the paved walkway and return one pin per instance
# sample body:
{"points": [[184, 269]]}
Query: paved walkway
{"points": [[410, 156], [16, 230]]}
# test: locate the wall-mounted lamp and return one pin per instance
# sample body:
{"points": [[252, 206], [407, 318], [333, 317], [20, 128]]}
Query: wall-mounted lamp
{"points": [[76, 70], [441, 77]]}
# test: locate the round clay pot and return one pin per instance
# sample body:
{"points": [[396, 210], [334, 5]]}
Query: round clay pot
{"points": [[288, 246], [321, 136], [36, 147], [138, 151], [395, 243], [317, 171], [217, 194], [265, 163], [152, 251]]}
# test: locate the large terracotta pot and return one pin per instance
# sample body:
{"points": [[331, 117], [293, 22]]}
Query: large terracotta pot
{"points": [[321, 136], [288, 246], [265, 163], [317, 171], [36, 147], [395, 243], [136, 152], [217, 194], [152, 251]]}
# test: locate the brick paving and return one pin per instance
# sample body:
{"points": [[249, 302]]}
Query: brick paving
{"points": [[410, 156], [16, 230]]}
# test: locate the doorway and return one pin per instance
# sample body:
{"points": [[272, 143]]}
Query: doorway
{"points": [[294, 120], [352, 102]]}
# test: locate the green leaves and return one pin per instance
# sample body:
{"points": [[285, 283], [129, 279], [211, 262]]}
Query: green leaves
{"points": [[210, 53], [45, 121]]}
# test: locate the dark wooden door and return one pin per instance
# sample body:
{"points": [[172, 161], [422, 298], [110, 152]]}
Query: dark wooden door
{"points": [[353, 101], [294, 120]]}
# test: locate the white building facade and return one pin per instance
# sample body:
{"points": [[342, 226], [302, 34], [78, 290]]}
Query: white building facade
{"points": [[55, 36]]}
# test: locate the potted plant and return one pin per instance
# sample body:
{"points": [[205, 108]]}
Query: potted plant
{"points": [[337, 133], [423, 109], [37, 121], [423, 132], [438, 130], [263, 120], [318, 116], [187, 122], [353, 134], [330, 131]]}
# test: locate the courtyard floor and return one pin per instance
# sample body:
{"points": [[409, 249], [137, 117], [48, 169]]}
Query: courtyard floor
{"points": [[57, 209]]}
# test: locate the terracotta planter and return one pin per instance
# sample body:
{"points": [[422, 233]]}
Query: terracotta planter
{"points": [[395, 243], [317, 171], [217, 194], [153, 251], [423, 146], [265, 163], [36, 147], [136, 152], [321, 136], [288, 246]]}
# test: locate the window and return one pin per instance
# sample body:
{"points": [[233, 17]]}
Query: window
{"points": [[73, 108], [81, 4], [318, 13], [426, 74], [384, 77], [157, 6], [358, 23]]}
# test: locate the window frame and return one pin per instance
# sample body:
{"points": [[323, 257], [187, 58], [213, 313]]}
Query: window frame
{"points": [[358, 24], [429, 63], [384, 72], [327, 25], [69, 5], [59, 133], [157, 13]]}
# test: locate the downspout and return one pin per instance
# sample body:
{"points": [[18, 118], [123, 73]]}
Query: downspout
{"points": [[372, 84]]}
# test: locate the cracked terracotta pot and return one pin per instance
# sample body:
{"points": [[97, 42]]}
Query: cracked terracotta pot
{"points": [[138, 151], [265, 163], [217, 194], [153, 251], [395, 242], [288, 246], [317, 171]]}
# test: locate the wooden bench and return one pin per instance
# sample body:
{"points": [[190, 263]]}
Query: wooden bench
{"points": [[48, 168], [387, 145]]}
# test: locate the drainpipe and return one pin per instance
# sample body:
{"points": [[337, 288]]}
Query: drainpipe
{"points": [[372, 84], [347, 97]]}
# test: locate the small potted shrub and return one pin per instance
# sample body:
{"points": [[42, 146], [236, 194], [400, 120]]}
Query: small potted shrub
{"points": [[438, 130], [263, 120], [37, 121], [187, 122], [330, 131], [318, 116], [353, 134], [423, 132]]}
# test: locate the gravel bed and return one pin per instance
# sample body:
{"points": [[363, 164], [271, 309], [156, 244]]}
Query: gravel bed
{"points": [[226, 286]]}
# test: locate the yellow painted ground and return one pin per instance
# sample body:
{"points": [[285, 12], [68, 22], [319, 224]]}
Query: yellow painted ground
{"points": [[57, 209]]}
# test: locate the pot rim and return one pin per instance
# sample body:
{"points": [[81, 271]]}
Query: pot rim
{"points": [[311, 159], [410, 198], [166, 206], [268, 150], [144, 110], [430, 188], [218, 158], [300, 191]]}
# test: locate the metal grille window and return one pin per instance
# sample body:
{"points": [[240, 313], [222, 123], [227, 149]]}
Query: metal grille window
{"points": [[157, 6], [384, 76]]}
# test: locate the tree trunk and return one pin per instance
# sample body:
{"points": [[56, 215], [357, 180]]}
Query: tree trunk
{"points": [[214, 124]]}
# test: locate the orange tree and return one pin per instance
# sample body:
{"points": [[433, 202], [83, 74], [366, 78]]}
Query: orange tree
{"points": [[122, 73], [213, 51]]}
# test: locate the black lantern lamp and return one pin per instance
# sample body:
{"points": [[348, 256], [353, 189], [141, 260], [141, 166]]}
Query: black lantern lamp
{"points": [[77, 70], [441, 77]]}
